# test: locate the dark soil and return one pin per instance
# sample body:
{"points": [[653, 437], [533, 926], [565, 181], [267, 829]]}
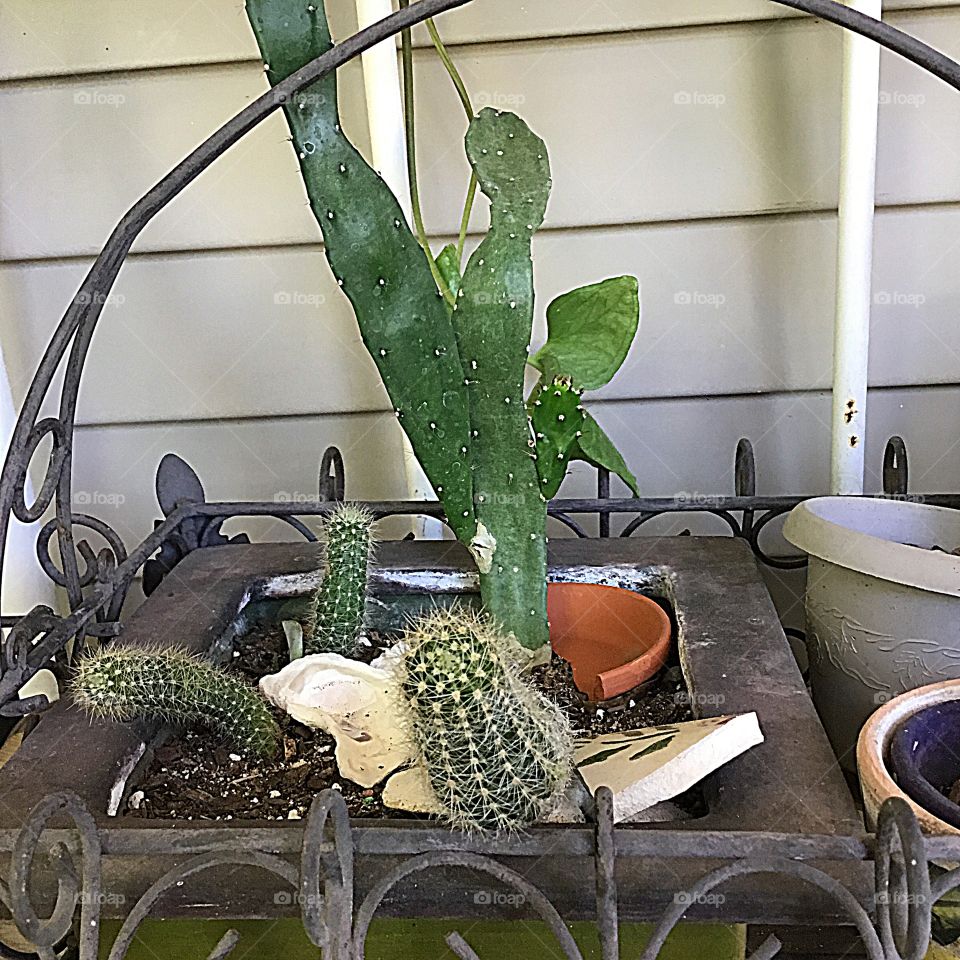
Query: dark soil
{"points": [[193, 777]]}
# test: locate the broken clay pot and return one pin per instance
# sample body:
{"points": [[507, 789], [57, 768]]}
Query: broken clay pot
{"points": [[614, 639]]}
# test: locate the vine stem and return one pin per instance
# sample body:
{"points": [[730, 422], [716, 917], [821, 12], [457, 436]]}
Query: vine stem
{"points": [[461, 89], [409, 123]]}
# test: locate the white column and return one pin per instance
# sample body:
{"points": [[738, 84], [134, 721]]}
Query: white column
{"points": [[858, 161], [24, 582], [382, 86]]}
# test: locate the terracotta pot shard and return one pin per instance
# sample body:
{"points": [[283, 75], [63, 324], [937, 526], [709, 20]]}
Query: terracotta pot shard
{"points": [[614, 639]]}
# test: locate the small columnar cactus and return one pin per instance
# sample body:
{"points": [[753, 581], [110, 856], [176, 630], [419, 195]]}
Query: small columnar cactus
{"points": [[341, 599], [172, 685], [497, 752]]}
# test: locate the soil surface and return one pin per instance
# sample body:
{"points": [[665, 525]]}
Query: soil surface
{"points": [[192, 776]]}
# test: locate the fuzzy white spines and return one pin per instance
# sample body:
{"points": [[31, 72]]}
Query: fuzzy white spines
{"points": [[341, 599], [174, 686], [498, 753]]}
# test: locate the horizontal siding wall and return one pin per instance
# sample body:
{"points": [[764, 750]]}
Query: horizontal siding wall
{"points": [[694, 143]]}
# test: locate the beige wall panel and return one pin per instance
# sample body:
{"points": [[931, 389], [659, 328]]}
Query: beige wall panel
{"points": [[48, 39], [231, 334], [740, 306], [508, 19], [760, 134], [687, 446], [241, 460], [76, 154]]}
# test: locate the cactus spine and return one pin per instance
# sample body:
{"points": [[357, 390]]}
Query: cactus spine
{"points": [[497, 752], [172, 685], [341, 599]]}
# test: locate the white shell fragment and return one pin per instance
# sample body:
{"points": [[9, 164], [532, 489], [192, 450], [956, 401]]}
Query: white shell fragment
{"points": [[356, 703], [410, 790]]}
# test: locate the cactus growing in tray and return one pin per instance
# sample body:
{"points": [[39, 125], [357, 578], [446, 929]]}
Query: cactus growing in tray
{"points": [[174, 686], [341, 597], [451, 350], [497, 752]]}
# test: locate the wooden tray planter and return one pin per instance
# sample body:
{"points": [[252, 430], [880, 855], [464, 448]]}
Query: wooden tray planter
{"points": [[735, 658]]}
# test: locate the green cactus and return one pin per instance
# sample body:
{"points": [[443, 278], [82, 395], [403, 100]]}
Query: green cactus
{"points": [[455, 376], [172, 685], [493, 319], [557, 420], [341, 599], [382, 269], [498, 753]]}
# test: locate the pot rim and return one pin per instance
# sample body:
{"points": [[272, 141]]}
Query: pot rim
{"points": [[816, 528], [874, 741]]}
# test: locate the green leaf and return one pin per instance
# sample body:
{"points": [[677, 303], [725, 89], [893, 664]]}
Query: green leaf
{"points": [[449, 266], [597, 448], [590, 330]]}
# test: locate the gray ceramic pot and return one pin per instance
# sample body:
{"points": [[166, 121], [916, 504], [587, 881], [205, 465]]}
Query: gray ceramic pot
{"points": [[883, 608]]}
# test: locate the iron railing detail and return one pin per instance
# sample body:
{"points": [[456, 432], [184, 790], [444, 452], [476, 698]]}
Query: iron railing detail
{"points": [[893, 921]]}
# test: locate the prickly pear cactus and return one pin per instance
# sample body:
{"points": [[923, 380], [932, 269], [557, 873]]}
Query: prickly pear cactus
{"points": [[377, 261], [557, 417], [497, 752], [493, 319], [124, 683], [341, 599]]}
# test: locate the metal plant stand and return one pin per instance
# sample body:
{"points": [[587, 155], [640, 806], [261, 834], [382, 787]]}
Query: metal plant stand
{"points": [[63, 855]]}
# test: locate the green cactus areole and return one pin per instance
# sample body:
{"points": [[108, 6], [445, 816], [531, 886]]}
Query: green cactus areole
{"points": [[497, 752], [174, 686], [341, 599]]}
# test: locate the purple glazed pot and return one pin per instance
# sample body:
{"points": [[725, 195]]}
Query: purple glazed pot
{"points": [[925, 758]]}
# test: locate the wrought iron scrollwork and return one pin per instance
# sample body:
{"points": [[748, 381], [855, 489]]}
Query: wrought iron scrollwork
{"points": [[896, 925], [178, 485]]}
